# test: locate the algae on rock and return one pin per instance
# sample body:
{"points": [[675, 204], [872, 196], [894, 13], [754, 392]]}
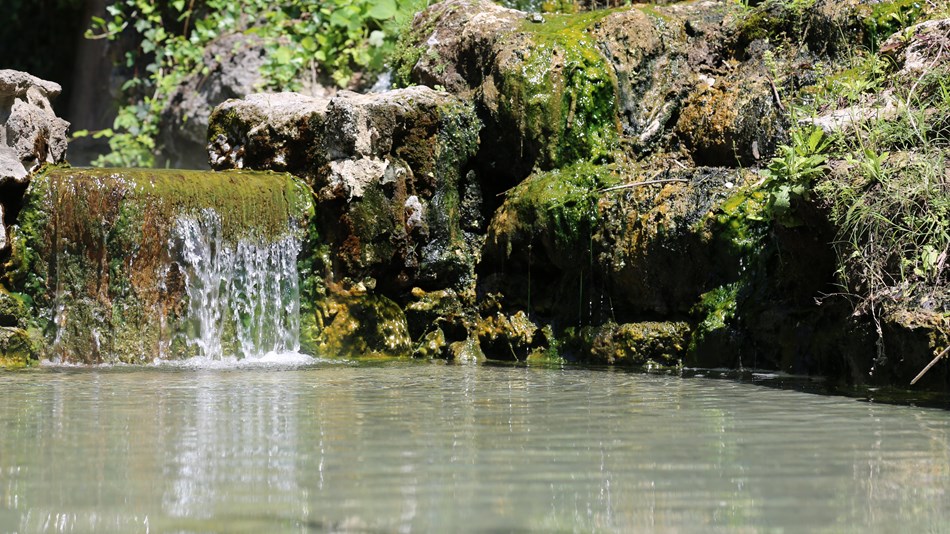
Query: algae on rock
{"points": [[100, 254]]}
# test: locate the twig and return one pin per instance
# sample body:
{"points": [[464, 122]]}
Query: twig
{"points": [[778, 99], [929, 365], [108, 35], [638, 184]]}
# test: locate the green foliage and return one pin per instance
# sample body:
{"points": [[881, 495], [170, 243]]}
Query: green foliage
{"points": [[334, 40], [888, 17], [882, 176], [794, 170]]}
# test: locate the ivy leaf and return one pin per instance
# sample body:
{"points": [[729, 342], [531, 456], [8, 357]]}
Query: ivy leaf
{"points": [[383, 9]]}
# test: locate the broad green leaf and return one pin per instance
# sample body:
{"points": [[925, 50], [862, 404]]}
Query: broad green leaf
{"points": [[383, 9]]}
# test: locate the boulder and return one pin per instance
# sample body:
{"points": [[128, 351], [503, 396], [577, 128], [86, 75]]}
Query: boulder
{"points": [[646, 344], [234, 62], [30, 135], [395, 201], [30, 132], [365, 326]]}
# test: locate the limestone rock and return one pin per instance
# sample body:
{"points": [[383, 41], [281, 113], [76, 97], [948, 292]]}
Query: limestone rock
{"points": [[234, 62], [30, 132], [571, 87], [388, 170], [920, 48]]}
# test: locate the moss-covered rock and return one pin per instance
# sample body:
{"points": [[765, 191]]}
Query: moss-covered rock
{"points": [[508, 337], [106, 258], [390, 171], [559, 88], [646, 344], [13, 310], [365, 326], [17, 348], [592, 243]]}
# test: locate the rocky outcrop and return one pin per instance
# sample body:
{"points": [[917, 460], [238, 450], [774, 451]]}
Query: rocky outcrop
{"points": [[398, 206], [557, 89], [30, 132], [389, 172], [31, 135]]}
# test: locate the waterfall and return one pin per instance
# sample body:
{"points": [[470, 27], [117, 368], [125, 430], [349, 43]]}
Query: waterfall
{"points": [[243, 295]]}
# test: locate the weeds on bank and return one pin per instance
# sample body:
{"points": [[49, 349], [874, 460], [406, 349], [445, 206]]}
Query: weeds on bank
{"points": [[884, 177]]}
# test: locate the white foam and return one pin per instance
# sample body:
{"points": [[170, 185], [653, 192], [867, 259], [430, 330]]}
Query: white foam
{"points": [[268, 360]]}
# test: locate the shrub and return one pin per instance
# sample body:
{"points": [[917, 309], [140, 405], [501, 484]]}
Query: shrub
{"points": [[336, 39]]}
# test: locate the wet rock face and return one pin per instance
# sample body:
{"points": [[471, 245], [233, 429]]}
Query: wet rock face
{"points": [[389, 171], [116, 264], [595, 253]]}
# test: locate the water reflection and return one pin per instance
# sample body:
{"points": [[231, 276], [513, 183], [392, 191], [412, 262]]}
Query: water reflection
{"points": [[409, 447]]}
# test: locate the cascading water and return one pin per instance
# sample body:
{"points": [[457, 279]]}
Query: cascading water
{"points": [[243, 296]]}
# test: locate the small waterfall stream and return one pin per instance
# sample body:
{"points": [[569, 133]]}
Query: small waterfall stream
{"points": [[243, 297]]}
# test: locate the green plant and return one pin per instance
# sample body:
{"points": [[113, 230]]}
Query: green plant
{"points": [[791, 173], [335, 40]]}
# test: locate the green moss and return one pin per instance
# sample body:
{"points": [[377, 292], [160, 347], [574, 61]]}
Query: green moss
{"points": [[14, 310], [716, 308], [560, 207], [562, 94], [741, 221], [889, 17], [650, 345], [95, 244], [17, 348], [366, 326]]}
